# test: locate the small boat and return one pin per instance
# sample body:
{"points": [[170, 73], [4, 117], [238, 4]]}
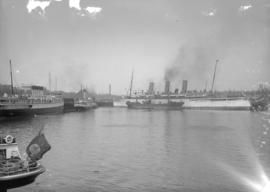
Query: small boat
{"points": [[84, 105], [259, 104], [83, 101], [14, 171]]}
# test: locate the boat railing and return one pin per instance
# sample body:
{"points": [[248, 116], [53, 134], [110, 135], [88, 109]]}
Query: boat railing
{"points": [[20, 169], [31, 101], [17, 101]]}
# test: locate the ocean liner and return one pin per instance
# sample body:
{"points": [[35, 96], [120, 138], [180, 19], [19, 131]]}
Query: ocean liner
{"points": [[206, 101]]}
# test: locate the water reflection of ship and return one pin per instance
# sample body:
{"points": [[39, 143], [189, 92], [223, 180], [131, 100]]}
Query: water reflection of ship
{"points": [[33, 101]]}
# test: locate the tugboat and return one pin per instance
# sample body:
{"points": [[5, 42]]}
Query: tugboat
{"points": [[259, 104], [14, 171], [83, 101], [84, 105]]}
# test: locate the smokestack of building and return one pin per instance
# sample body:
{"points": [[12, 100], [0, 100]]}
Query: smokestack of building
{"points": [[167, 87], [151, 88], [184, 86]]}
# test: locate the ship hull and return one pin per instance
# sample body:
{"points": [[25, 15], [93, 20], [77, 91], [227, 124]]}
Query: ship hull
{"points": [[137, 105], [201, 104], [217, 104], [19, 180], [69, 105], [105, 103], [224, 108], [85, 107], [38, 109], [122, 103]]}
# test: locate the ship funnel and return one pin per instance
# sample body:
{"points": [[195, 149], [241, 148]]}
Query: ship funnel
{"points": [[151, 88], [167, 87], [184, 86]]}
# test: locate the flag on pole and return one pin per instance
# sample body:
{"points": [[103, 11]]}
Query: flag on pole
{"points": [[38, 147]]}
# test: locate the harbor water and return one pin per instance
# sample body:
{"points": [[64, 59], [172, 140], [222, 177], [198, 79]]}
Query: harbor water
{"points": [[118, 149]]}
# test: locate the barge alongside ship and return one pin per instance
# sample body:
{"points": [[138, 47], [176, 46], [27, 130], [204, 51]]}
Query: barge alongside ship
{"points": [[151, 105]]}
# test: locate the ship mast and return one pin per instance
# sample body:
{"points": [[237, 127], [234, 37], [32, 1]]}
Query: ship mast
{"points": [[55, 83], [82, 91], [214, 76], [131, 84], [11, 78], [205, 86], [50, 82], [110, 89]]}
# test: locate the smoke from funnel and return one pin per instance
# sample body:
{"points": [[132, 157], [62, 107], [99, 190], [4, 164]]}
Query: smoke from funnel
{"points": [[193, 61]]}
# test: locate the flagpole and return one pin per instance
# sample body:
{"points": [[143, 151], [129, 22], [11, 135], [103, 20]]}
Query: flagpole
{"points": [[42, 126], [41, 130]]}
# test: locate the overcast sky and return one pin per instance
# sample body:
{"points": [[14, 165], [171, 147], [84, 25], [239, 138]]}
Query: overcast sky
{"points": [[98, 42]]}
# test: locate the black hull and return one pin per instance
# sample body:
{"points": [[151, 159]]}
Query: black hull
{"points": [[174, 106], [31, 112], [104, 104], [259, 105], [81, 109], [20, 180], [69, 105], [67, 110]]}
